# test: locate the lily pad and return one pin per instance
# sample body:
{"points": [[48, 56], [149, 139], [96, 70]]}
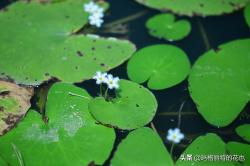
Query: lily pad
{"points": [[244, 131], [242, 151], [134, 107], [196, 7], [247, 15], [14, 103], [142, 147], [71, 136], [162, 65], [51, 48], [208, 146], [220, 82], [165, 26]]}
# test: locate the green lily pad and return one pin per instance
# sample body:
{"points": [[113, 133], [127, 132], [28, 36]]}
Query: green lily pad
{"points": [[220, 82], [196, 7], [247, 15], [50, 48], [241, 150], [14, 103], [142, 147], [244, 131], [71, 136], [134, 107], [208, 146], [165, 26], [162, 65]]}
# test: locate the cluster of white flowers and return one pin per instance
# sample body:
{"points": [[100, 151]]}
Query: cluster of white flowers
{"points": [[112, 82], [175, 135], [96, 13]]}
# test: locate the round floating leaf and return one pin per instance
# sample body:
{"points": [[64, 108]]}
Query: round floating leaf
{"points": [[162, 65], [14, 103], [48, 48], [142, 147], [208, 145], [247, 14], [196, 7], [164, 26], [134, 107], [71, 136], [220, 82], [244, 131], [240, 149]]}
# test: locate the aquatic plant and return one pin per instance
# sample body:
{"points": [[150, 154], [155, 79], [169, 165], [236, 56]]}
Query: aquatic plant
{"points": [[51, 40], [54, 41], [196, 7], [165, 26]]}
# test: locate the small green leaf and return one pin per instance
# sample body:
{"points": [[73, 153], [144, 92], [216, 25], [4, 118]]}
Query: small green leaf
{"points": [[71, 136], [240, 149], [220, 83], [38, 42], [207, 145], [165, 26], [134, 107], [142, 147], [196, 7], [247, 15], [244, 131], [162, 65]]}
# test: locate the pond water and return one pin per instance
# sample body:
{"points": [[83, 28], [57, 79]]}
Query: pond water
{"points": [[206, 33]]}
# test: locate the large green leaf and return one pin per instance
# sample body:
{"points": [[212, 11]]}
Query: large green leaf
{"points": [[209, 147], [165, 26], [42, 38], [241, 150], [14, 103], [244, 131], [140, 148], [71, 136], [134, 107], [220, 82], [247, 15], [162, 65], [196, 7]]}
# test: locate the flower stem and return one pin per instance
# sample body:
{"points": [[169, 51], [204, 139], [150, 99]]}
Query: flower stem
{"points": [[204, 35], [106, 94], [101, 89], [171, 150]]}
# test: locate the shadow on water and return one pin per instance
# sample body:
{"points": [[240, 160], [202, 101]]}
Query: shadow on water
{"points": [[206, 33]]}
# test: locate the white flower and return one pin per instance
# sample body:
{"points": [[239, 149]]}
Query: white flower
{"points": [[96, 20], [100, 77], [112, 82], [175, 135], [90, 7]]}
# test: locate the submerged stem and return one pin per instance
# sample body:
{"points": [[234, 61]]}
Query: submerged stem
{"points": [[125, 19], [179, 114], [77, 95], [204, 35]]}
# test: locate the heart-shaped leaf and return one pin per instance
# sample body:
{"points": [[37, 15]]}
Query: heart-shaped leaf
{"points": [[164, 26], [220, 82], [196, 7], [247, 15], [134, 107], [244, 131], [210, 147], [14, 103], [71, 136], [242, 151], [48, 48], [142, 147], [162, 65]]}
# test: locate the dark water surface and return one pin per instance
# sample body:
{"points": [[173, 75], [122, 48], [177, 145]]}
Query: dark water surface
{"points": [[218, 30]]}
